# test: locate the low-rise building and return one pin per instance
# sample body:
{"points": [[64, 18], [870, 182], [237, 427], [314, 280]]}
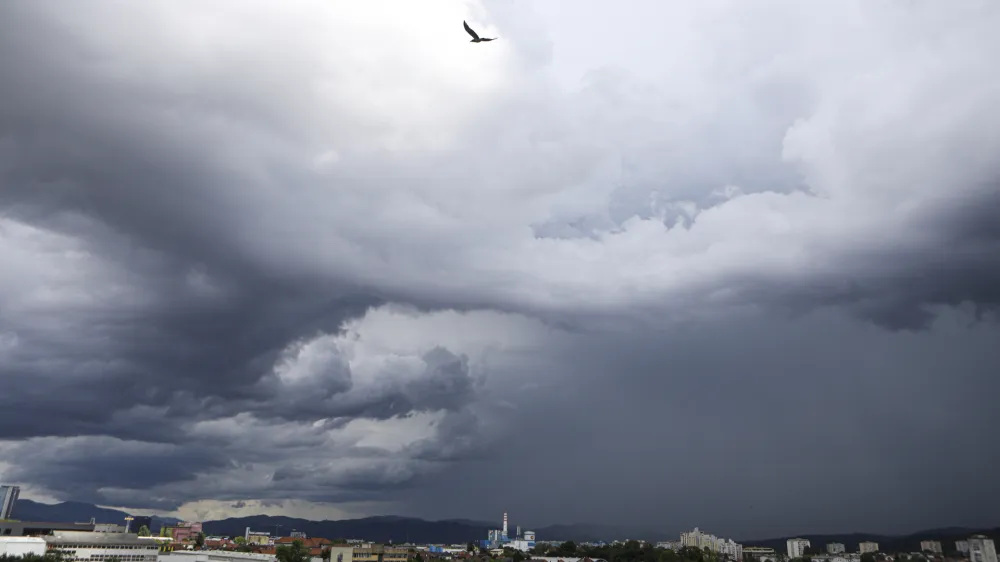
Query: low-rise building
{"points": [[39, 528], [215, 556], [379, 553], [20, 546], [760, 553], [89, 546], [867, 546], [181, 532], [341, 553], [314, 545]]}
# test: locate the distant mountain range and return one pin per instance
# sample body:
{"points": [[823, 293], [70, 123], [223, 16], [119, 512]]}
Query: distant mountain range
{"points": [[379, 529], [76, 512], [402, 529], [459, 531]]}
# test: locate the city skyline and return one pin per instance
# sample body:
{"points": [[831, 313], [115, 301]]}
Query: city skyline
{"points": [[730, 263]]}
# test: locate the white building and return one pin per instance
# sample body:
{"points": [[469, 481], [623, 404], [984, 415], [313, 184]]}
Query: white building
{"points": [[867, 547], [8, 497], [86, 546], [19, 546], [931, 546], [731, 549], [519, 544], [836, 548], [797, 547], [962, 546], [982, 549], [700, 540]]}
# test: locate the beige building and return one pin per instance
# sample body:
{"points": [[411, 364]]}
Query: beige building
{"points": [[379, 553], [340, 553], [867, 547]]}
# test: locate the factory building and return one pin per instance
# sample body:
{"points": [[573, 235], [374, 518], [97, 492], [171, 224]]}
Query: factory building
{"points": [[498, 538]]}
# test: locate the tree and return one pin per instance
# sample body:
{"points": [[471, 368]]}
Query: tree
{"points": [[143, 531], [295, 552], [568, 546], [471, 547], [199, 541], [240, 540], [868, 557], [326, 553]]}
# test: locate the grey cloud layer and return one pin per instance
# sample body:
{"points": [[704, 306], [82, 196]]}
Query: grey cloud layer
{"points": [[195, 205]]}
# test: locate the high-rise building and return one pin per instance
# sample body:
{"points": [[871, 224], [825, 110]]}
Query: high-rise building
{"points": [[8, 497], [835, 548], [797, 547], [868, 546], [931, 546], [982, 549], [697, 539], [962, 546]]}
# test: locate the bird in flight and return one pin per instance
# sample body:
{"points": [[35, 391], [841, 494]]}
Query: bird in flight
{"points": [[475, 36]]}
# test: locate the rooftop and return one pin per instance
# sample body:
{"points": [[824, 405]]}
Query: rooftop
{"points": [[88, 537]]}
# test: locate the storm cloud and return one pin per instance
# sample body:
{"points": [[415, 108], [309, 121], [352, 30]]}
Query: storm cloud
{"points": [[732, 265]]}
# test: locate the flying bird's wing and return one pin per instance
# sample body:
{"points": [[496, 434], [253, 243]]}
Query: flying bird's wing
{"points": [[469, 29]]}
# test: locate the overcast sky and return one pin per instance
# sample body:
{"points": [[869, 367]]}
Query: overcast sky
{"points": [[656, 263]]}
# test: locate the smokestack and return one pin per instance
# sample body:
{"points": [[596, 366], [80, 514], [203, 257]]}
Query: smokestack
{"points": [[505, 523]]}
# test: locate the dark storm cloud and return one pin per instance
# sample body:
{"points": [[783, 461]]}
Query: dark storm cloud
{"points": [[735, 427], [81, 467], [202, 216]]}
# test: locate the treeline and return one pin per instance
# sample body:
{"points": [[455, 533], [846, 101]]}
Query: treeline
{"points": [[629, 551]]}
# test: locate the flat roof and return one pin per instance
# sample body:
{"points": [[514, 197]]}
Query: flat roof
{"points": [[85, 537]]}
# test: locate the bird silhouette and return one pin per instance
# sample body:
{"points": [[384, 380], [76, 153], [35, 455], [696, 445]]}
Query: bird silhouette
{"points": [[475, 36]]}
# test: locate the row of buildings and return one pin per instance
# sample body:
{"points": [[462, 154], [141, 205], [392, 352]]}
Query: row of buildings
{"points": [[978, 548]]}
